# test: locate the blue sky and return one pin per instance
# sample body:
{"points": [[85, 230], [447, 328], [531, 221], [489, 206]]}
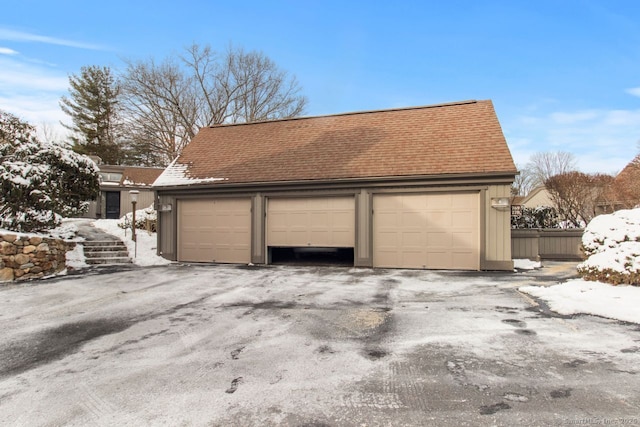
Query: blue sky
{"points": [[563, 75]]}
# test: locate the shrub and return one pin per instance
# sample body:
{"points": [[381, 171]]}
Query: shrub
{"points": [[146, 219], [539, 217], [612, 244]]}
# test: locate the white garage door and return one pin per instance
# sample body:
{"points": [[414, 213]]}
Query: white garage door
{"points": [[435, 231], [315, 222], [214, 230]]}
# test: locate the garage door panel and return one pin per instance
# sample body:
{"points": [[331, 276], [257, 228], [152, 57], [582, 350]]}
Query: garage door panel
{"points": [[439, 231], [319, 222], [214, 230], [438, 260]]}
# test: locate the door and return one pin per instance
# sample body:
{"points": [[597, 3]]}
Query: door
{"points": [[214, 230], [434, 231], [112, 204], [311, 222]]}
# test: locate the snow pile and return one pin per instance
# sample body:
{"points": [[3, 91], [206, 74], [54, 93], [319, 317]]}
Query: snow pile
{"points": [[145, 253], [75, 258], [526, 264], [596, 298], [612, 243]]}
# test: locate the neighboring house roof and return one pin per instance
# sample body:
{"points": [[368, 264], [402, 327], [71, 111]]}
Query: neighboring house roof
{"points": [[518, 200], [139, 176], [457, 138]]}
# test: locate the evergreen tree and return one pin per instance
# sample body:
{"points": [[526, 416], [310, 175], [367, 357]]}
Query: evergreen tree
{"points": [[40, 182], [94, 107]]}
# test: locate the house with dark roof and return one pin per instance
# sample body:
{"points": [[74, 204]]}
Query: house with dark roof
{"points": [[423, 187], [115, 184]]}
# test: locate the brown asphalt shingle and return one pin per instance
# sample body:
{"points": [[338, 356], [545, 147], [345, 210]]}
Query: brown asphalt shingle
{"points": [[140, 175], [458, 138]]}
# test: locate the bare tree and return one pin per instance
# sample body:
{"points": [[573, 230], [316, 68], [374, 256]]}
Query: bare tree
{"points": [[169, 101], [544, 165], [161, 109], [524, 182]]}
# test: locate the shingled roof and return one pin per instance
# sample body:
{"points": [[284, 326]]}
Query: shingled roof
{"points": [[456, 138], [139, 176]]}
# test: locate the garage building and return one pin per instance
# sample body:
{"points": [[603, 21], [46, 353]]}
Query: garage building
{"points": [[423, 187]]}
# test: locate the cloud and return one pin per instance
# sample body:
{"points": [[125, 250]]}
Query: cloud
{"points": [[17, 77], [7, 51], [19, 36], [635, 91], [40, 110], [602, 140], [32, 92], [574, 117]]}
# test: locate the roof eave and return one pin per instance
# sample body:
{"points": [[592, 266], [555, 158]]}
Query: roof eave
{"points": [[478, 177]]}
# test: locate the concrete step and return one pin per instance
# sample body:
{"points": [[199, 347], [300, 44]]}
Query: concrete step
{"points": [[108, 261], [100, 243], [106, 252], [113, 248]]}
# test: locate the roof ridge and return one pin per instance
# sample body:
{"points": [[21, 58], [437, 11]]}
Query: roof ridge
{"points": [[350, 113]]}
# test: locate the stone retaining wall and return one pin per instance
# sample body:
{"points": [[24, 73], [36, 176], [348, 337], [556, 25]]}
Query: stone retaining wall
{"points": [[23, 257]]}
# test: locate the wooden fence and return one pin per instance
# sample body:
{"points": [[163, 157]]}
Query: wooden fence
{"points": [[546, 243]]}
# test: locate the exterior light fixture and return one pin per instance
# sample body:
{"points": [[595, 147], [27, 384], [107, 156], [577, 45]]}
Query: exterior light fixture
{"points": [[500, 202]]}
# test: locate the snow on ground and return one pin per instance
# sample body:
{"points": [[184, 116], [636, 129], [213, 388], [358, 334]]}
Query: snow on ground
{"points": [[600, 299], [612, 243], [75, 258], [526, 264], [68, 230], [145, 253]]}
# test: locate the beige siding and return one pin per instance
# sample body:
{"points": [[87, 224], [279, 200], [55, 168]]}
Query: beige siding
{"points": [[497, 239], [363, 256], [214, 230], [436, 231], [538, 197], [311, 221], [145, 199], [258, 255], [166, 227]]}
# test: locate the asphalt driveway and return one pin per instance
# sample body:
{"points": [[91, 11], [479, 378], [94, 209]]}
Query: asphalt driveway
{"points": [[308, 346]]}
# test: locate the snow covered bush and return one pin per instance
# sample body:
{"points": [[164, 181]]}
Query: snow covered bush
{"points": [[612, 244], [40, 182], [145, 219], [538, 217]]}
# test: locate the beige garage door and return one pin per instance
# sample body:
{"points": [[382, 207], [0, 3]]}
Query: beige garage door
{"points": [[317, 222], [214, 230], [436, 231]]}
